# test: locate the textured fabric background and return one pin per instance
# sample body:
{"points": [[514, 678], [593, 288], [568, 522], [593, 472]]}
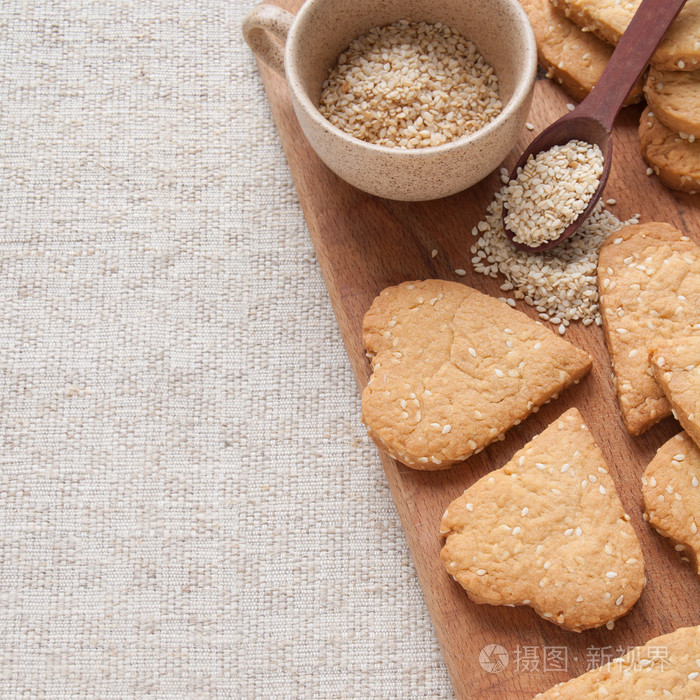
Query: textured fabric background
{"points": [[189, 505]]}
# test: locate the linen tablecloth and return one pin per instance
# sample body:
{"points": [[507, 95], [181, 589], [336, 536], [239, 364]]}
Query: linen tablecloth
{"points": [[189, 504]]}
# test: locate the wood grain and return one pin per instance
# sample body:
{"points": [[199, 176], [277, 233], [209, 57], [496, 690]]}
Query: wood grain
{"points": [[364, 244]]}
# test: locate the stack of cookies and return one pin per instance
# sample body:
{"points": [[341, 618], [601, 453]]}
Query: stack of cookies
{"points": [[649, 282], [575, 39]]}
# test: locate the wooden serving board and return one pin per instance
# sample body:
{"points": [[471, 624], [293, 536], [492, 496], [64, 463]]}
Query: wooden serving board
{"points": [[364, 244]]}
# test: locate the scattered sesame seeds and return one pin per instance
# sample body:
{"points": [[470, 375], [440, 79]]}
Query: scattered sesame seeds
{"points": [[561, 283], [410, 85], [551, 191]]}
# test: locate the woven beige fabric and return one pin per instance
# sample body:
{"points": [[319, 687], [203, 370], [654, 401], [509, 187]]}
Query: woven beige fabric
{"points": [[189, 506]]}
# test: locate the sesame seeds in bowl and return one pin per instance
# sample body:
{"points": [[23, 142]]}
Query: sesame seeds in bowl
{"points": [[432, 162], [411, 85]]}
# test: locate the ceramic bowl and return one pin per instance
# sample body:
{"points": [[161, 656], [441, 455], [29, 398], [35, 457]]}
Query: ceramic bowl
{"points": [[322, 29]]}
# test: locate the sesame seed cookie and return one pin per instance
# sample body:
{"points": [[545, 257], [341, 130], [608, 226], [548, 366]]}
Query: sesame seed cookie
{"points": [[453, 369], [671, 492], [608, 19], [572, 57], [674, 98], [547, 530], [666, 666], [649, 285], [676, 366], [675, 160]]}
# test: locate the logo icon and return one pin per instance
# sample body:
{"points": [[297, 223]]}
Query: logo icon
{"points": [[493, 658]]}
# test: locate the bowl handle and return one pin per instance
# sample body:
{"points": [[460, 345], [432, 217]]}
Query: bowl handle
{"points": [[260, 25]]}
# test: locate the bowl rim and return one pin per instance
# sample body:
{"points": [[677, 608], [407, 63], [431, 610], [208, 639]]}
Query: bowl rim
{"points": [[521, 92]]}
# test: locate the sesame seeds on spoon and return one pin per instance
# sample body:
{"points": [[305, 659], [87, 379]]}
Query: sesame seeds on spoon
{"points": [[591, 124]]}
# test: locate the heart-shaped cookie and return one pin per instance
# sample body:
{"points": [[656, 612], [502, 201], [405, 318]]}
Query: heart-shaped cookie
{"points": [[665, 667], [549, 531], [671, 491], [454, 369], [649, 285], [676, 365]]}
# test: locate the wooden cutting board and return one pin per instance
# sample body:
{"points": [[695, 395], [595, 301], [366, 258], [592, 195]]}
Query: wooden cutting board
{"points": [[364, 244]]}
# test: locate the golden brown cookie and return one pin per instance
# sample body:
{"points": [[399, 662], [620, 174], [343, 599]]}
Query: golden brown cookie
{"points": [[649, 286], [453, 369], [547, 530], [674, 99], [666, 666], [676, 161], [572, 57], [676, 365], [671, 492], [608, 19]]}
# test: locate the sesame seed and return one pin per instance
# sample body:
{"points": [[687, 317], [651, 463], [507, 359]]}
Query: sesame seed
{"points": [[601, 488], [481, 572], [470, 507], [517, 529], [459, 271], [679, 457], [551, 190], [434, 253], [524, 511], [611, 574], [610, 624], [619, 600], [563, 281], [410, 85]]}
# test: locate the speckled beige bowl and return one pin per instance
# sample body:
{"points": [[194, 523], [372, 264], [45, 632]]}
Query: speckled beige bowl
{"points": [[322, 29]]}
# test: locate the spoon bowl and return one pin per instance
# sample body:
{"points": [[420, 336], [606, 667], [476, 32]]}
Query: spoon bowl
{"points": [[592, 121], [570, 126]]}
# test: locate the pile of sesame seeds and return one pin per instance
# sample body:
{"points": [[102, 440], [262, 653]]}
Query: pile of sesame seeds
{"points": [[561, 283], [551, 191], [410, 85]]}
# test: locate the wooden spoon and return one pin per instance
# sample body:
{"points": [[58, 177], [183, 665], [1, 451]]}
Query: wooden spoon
{"points": [[593, 119]]}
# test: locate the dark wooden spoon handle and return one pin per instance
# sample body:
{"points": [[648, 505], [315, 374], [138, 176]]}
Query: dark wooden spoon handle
{"points": [[631, 56]]}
